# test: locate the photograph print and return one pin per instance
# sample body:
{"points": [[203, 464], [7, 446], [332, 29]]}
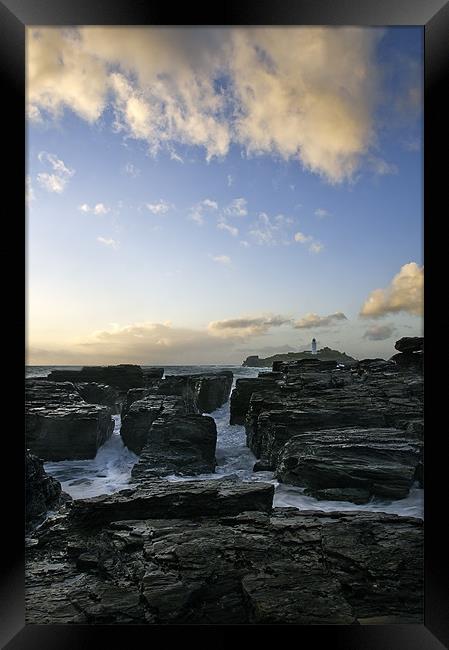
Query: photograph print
{"points": [[224, 337]]}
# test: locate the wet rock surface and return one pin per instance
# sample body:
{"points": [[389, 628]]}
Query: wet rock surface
{"points": [[42, 492], [60, 425], [264, 566], [183, 445], [351, 464]]}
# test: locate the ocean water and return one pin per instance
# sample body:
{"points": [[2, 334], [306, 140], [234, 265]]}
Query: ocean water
{"points": [[110, 470]]}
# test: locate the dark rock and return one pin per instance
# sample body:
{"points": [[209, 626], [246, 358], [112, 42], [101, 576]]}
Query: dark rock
{"points": [[181, 500], [155, 372], [137, 421], [324, 354], [42, 492], [410, 344], [241, 396], [287, 566], [269, 431], [123, 376], [262, 466], [60, 425], [183, 445], [93, 393], [412, 361], [376, 462], [203, 392]]}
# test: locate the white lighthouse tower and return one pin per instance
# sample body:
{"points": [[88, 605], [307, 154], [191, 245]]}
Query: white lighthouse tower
{"points": [[313, 346]]}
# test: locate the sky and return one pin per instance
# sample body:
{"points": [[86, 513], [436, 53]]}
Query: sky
{"points": [[196, 195]]}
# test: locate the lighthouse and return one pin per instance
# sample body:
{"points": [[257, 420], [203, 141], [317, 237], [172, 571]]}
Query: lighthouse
{"points": [[313, 346]]}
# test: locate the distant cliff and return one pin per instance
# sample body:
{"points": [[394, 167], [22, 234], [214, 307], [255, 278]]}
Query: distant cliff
{"points": [[326, 353]]}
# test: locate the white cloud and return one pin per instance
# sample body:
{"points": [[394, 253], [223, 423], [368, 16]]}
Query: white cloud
{"points": [[230, 180], [56, 181], [316, 247], [304, 93], [29, 192], [99, 208], [160, 207], [198, 211], [237, 208], [131, 170], [112, 243], [382, 167], [221, 259], [271, 231], [244, 243], [51, 182], [311, 321], [404, 294], [321, 213], [301, 238], [175, 156], [222, 225]]}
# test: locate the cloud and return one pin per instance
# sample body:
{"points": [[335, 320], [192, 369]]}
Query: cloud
{"points": [[221, 259], [404, 294], [271, 231], [175, 156], [222, 225], [321, 213], [112, 243], [131, 170], [230, 180], [29, 192], [315, 246], [56, 181], [99, 208], [301, 238], [311, 321], [379, 332], [303, 93], [198, 211], [237, 208], [246, 327], [382, 167], [160, 207]]}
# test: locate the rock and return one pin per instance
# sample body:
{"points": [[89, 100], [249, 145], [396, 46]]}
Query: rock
{"points": [[60, 425], [284, 567], [150, 373], [134, 395], [204, 392], [270, 430], [241, 396], [137, 420], [123, 376], [324, 354], [94, 393], [375, 462], [410, 344], [42, 492], [179, 500], [412, 361], [184, 445]]}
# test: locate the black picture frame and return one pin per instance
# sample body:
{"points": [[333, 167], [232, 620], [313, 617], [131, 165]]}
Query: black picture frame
{"points": [[433, 15]]}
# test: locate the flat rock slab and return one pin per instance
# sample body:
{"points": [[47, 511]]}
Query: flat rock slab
{"points": [[124, 376], [167, 499], [283, 566], [351, 464]]}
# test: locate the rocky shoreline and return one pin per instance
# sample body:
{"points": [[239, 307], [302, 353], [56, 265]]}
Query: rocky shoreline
{"points": [[217, 551]]}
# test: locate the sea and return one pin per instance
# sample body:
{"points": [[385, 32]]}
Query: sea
{"points": [[110, 470]]}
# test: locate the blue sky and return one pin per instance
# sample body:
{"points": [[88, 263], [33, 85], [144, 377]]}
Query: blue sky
{"points": [[193, 212]]}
